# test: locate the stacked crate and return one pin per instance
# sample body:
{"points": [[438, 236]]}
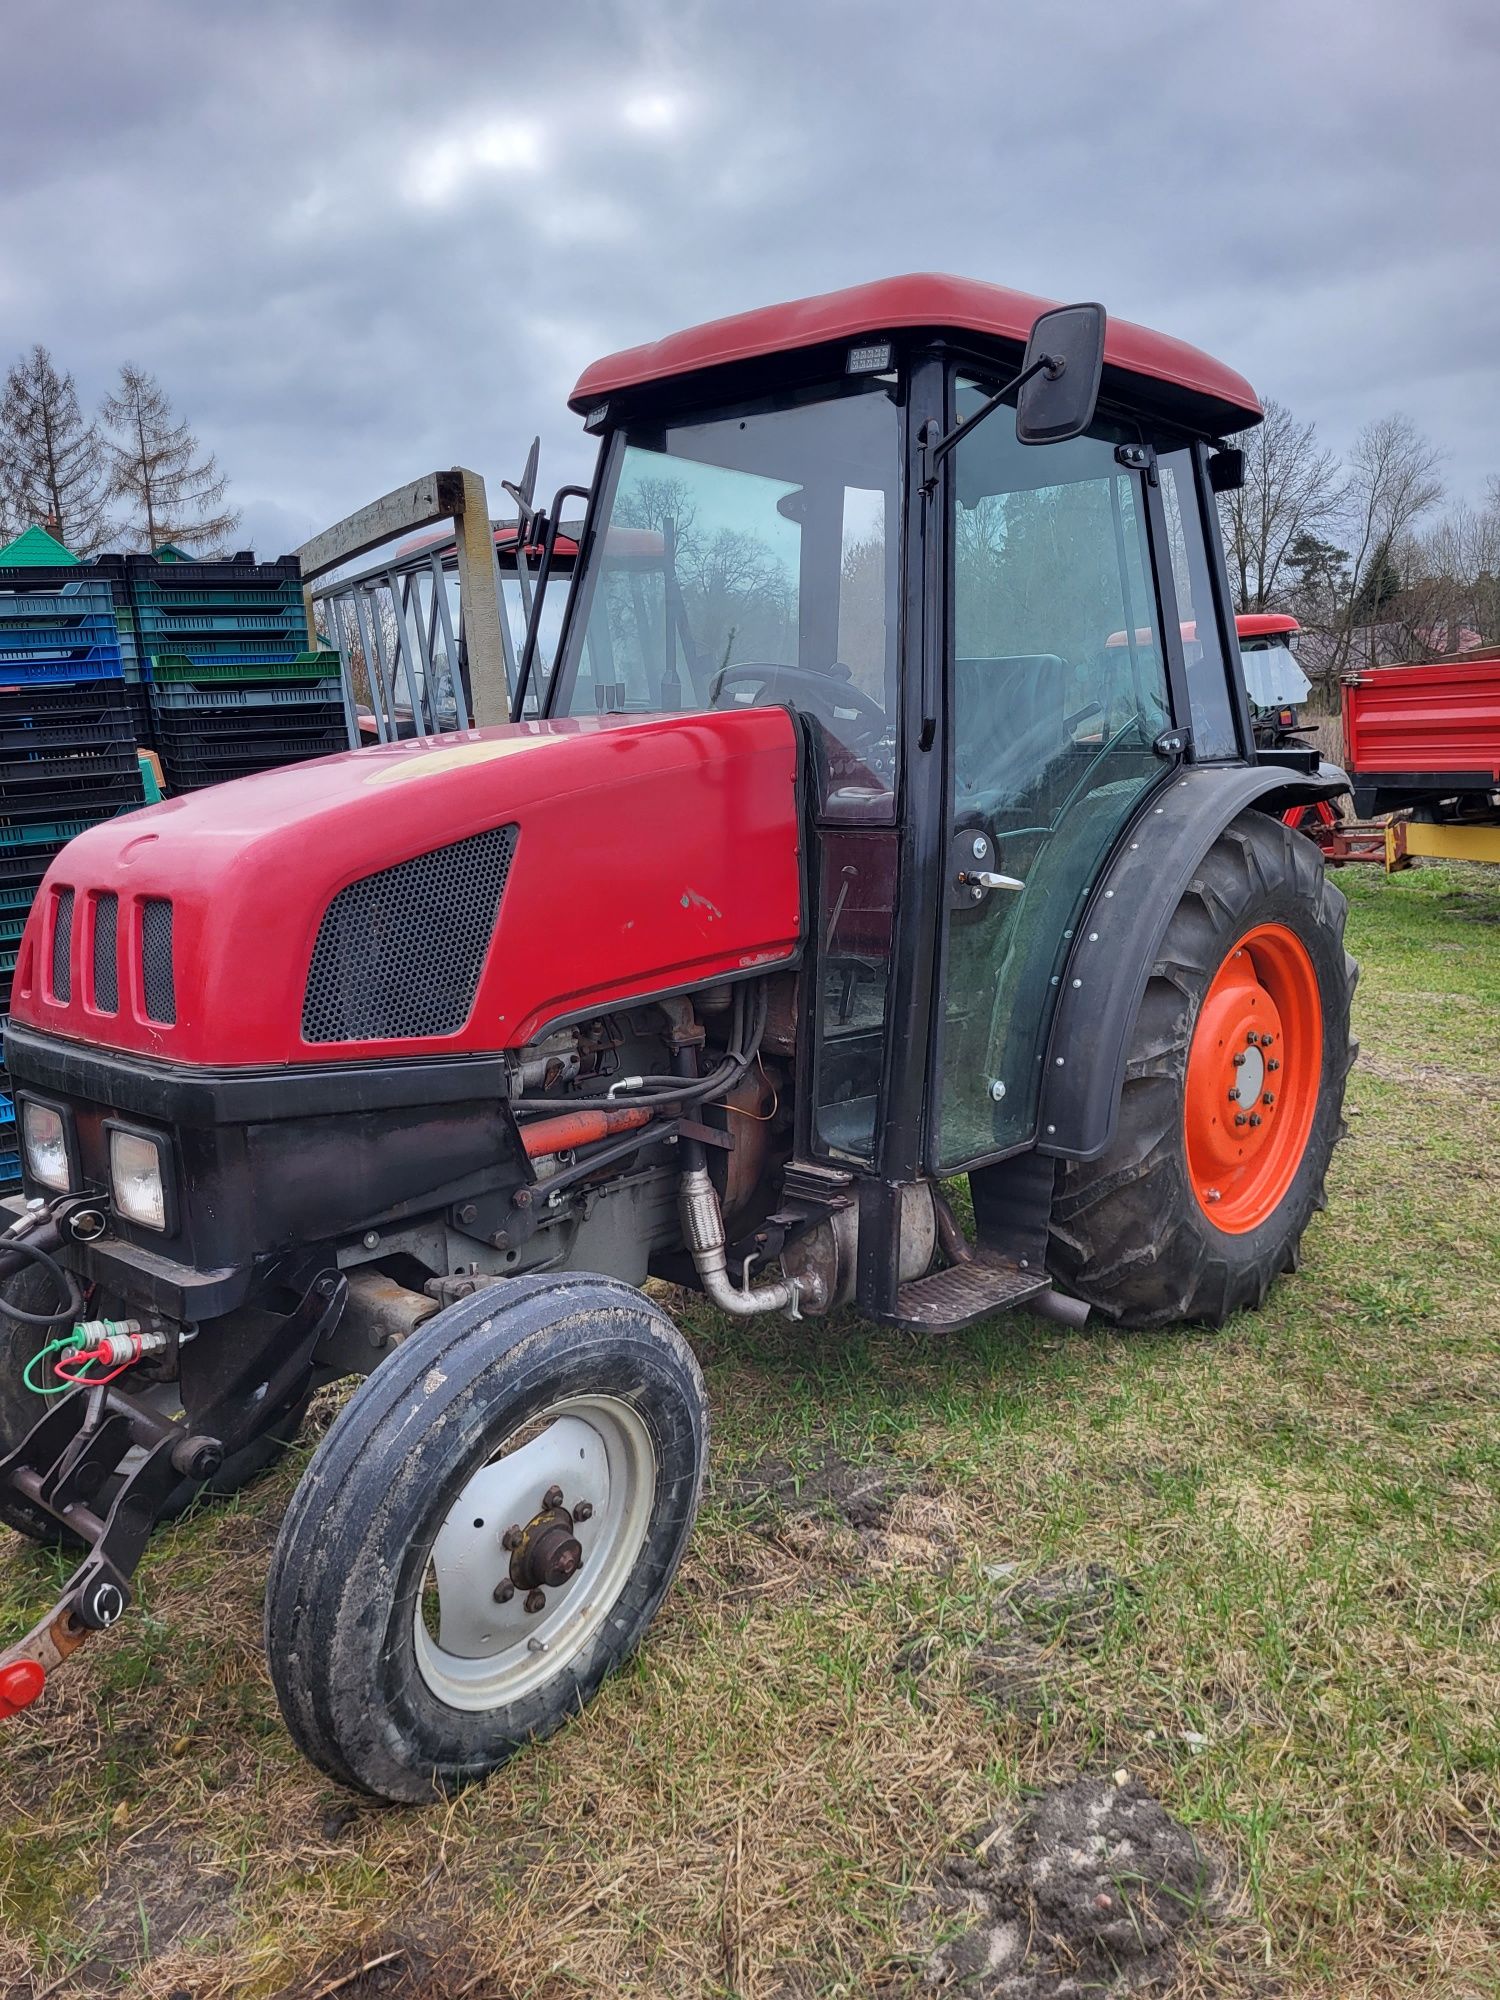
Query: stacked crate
{"points": [[234, 687], [67, 738]]}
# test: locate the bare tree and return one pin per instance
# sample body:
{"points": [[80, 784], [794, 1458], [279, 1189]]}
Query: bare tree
{"points": [[173, 494], [52, 462], [1291, 491], [1450, 578], [1393, 480]]}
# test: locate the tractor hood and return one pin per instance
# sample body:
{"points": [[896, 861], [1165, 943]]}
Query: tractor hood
{"points": [[454, 895]]}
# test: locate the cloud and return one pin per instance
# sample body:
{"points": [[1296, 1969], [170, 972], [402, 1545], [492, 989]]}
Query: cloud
{"points": [[361, 240]]}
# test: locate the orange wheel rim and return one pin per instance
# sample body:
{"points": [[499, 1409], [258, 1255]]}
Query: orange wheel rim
{"points": [[1254, 1070]]}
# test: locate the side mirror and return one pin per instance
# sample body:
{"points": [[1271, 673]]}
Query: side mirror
{"points": [[1226, 470], [1059, 400]]}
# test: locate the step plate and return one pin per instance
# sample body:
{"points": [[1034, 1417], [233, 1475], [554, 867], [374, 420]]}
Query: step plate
{"points": [[944, 1301]]}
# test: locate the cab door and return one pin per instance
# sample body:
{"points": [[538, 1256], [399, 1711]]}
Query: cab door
{"points": [[1058, 709]]}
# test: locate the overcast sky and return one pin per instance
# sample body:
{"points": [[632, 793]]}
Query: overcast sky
{"points": [[357, 241]]}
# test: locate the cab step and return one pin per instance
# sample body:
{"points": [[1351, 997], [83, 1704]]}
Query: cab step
{"points": [[984, 1283]]}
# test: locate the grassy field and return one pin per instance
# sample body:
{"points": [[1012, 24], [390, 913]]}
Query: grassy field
{"points": [[940, 1591]]}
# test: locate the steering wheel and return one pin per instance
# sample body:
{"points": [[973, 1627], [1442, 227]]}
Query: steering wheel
{"points": [[825, 694]]}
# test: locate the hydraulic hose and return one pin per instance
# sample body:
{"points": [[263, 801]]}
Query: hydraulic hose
{"points": [[676, 1091], [15, 1251]]}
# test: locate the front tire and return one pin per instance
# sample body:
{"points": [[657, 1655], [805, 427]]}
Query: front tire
{"points": [[1233, 1094], [415, 1643]]}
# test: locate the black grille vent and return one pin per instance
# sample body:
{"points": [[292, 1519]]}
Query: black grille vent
{"points": [[106, 970], [62, 946], [399, 954], [156, 962]]}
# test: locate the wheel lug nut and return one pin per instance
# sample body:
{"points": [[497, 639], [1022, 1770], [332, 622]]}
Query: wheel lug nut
{"points": [[1239, 1059], [536, 1600], [584, 1511], [1239, 1117], [552, 1497], [1268, 1098], [1254, 1117], [505, 1590], [1273, 1064], [1234, 1096], [511, 1539]]}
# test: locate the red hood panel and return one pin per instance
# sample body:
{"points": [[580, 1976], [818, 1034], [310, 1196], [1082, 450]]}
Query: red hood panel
{"points": [[651, 853]]}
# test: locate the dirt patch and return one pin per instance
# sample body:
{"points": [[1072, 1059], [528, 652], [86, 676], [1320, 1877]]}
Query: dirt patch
{"points": [[1072, 1606], [1091, 1890], [862, 1496], [399, 1968], [157, 1899]]}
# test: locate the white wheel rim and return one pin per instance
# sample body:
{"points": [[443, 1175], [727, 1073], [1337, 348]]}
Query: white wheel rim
{"points": [[486, 1654]]}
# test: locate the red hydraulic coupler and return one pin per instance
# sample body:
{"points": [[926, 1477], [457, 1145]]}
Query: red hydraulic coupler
{"points": [[20, 1684]]}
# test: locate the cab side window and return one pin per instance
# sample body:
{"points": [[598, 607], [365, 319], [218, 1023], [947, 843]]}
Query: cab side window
{"points": [[1211, 711]]}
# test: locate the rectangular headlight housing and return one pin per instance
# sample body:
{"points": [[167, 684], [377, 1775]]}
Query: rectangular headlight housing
{"points": [[48, 1145], [140, 1177]]}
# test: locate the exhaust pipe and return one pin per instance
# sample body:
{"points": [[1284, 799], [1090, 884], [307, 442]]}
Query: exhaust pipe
{"points": [[703, 1227]]}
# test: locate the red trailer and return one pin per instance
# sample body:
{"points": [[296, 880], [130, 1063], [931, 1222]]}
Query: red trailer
{"points": [[1426, 740]]}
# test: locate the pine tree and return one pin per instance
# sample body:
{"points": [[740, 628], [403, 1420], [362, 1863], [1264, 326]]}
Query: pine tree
{"points": [[52, 465], [173, 494]]}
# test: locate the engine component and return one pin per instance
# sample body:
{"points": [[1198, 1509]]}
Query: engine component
{"points": [[823, 1259]]}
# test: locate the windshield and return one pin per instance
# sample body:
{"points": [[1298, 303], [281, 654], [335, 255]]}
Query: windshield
{"points": [[742, 560], [1272, 677]]}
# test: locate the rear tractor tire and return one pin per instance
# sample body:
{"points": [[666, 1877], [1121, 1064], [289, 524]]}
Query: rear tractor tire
{"points": [[485, 1533], [1233, 1095]]}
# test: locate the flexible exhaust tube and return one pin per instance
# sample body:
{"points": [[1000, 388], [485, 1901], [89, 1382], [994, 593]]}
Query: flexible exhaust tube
{"points": [[703, 1227]]}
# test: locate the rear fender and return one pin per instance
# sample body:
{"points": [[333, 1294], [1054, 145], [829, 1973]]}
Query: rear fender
{"points": [[1120, 934]]}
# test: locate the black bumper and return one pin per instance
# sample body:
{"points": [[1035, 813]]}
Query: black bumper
{"points": [[269, 1163]]}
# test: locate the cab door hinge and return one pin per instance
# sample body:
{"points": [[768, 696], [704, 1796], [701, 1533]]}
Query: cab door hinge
{"points": [[1139, 458]]}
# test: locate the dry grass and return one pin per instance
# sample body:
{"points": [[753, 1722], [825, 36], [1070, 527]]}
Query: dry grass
{"points": [[1291, 1639]]}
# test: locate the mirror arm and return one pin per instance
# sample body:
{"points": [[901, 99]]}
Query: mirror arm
{"points": [[534, 622], [935, 453]]}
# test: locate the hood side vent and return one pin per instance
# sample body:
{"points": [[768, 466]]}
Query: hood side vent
{"points": [[399, 954], [157, 977], [106, 946], [62, 946]]}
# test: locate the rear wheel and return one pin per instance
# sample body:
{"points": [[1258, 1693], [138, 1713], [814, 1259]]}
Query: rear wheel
{"points": [[485, 1533], [1233, 1094]]}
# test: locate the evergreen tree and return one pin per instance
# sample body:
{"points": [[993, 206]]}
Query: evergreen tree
{"points": [[173, 495], [52, 465]]}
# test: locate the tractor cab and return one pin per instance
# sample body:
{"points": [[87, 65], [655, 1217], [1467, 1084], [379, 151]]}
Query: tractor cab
{"points": [[841, 507]]}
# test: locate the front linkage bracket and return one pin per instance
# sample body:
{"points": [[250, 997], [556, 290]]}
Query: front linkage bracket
{"points": [[82, 1440]]}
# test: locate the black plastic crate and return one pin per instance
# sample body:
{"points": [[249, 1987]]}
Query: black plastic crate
{"points": [[194, 575], [25, 871], [191, 774], [77, 704], [306, 727], [23, 774], [101, 800], [64, 739]]}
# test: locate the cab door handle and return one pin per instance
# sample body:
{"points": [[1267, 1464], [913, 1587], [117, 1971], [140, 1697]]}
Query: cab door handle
{"points": [[986, 878]]}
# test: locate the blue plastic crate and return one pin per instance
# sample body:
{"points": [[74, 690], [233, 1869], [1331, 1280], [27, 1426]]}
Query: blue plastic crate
{"points": [[71, 601], [94, 628], [7, 1110], [100, 664]]}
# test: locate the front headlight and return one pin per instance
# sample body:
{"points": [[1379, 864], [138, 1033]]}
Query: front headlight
{"points": [[140, 1177], [49, 1154]]}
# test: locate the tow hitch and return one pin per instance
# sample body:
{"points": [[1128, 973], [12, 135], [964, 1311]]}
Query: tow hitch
{"points": [[81, 1444]]}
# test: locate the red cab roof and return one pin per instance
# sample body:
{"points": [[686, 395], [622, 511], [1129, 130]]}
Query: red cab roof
{"points": [[921, 300], [1264, 624]]}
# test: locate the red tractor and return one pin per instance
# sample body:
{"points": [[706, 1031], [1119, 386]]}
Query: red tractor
{"points": [[845, 858]]}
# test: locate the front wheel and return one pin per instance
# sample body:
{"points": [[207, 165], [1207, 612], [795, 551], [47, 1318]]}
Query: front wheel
{"points": [[1233, 1094], [485, 1533]]}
